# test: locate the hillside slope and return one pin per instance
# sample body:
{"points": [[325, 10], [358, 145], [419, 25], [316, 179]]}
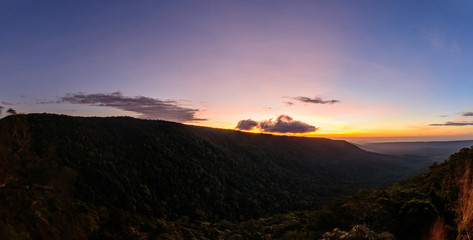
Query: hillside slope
{"points": [[435, 205], [77, 178]]}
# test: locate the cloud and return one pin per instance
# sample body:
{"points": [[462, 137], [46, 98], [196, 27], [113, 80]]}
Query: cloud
{"points": [[7, 103], [285, 124], [282, 124], [439, 41], [246, 124], [316, 100], [468, 114], [452, 124], [289, 103], [148, 108]]}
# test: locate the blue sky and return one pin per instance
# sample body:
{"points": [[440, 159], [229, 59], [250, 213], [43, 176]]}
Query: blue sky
{"points": [[395, 67]]}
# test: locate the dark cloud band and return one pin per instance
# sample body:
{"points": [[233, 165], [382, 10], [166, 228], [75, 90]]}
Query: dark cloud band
{"points": [[316, 100], [148, 108], [468, 114], [453, 124], [282, 124]]}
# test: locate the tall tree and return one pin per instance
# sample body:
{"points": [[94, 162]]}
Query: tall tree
{"points": [[11, 111]]}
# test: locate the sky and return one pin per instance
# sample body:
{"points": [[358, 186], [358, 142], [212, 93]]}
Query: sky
{"points": [[357, 70]]}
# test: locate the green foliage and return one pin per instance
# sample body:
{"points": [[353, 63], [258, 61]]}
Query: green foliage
{"points": [[407, 209]]}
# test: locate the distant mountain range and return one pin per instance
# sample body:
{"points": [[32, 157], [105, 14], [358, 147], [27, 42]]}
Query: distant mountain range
{"points": [[439, 149], [422, 153], [65, 177]]}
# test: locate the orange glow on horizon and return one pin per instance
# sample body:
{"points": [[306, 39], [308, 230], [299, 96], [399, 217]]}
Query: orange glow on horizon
{"points": [[368, 135]]}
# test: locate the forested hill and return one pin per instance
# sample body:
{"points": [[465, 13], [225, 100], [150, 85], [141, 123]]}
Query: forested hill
{"points": [[77, 178], [435, 205]]}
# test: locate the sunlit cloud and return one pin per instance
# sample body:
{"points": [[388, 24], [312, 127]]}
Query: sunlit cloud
{"points": [[146, 107], [282, 124]]}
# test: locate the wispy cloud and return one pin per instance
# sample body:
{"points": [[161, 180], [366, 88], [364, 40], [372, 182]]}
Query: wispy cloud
{"points": [[148, 108], [316, 100], [282, 124], [456, 122], [289, 103], [439, 41], [452, 124], [7, 103]]}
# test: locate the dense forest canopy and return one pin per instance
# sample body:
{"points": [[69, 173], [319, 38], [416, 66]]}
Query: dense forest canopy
{"points": [[120, 178]]}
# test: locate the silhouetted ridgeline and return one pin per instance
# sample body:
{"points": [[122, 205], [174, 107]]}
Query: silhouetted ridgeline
{"points": [[120, 178]]}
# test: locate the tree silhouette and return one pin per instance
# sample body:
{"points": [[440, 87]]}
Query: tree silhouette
{"points": [[11, 111]]}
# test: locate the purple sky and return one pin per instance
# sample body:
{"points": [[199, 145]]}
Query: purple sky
{"points": [[394, 69]]}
